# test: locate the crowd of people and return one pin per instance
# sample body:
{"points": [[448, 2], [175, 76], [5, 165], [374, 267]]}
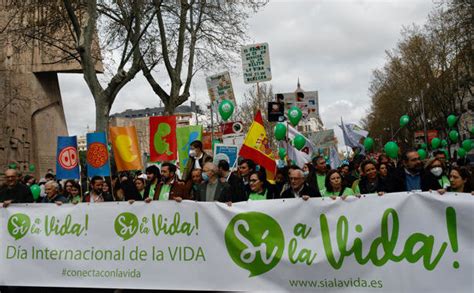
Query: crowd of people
{"points": [[203, 180]]}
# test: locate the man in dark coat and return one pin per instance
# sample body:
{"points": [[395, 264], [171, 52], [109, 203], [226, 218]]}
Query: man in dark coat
{"points": [[411, 176], [298, 187], [213, 189], [13, 191]]}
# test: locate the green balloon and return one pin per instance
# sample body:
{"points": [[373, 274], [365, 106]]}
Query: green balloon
{"points": [[422, 154], [299, 141], [391, 149], [461, 152], [368, 143], [32, 167], [294, 115], [424, 146], [12, 166], [280, 131], [36, 191], [467, 145], [472, 130], [282, 153], [452, 120], [444, 143], [453, 135], [435, 142], [226, 108], [404, 120]]}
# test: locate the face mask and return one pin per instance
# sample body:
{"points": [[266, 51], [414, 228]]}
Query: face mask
{"points": [[205, 177], [437, 171], [192, 153], [306, 173]]}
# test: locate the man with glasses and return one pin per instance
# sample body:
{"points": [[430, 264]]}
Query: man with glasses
{"points": [[298, 188], [13, 190], [411, 175]]}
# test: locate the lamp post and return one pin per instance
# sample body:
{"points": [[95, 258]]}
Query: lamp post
{"points": [[425, 131]]}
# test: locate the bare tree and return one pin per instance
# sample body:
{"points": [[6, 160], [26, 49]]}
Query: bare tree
{"points": [[193, 35], [82, 31]]}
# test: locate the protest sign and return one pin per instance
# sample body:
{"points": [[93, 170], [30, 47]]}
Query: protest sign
{"points": [[225, 152], [97, 156], [67, 158], [219, 87], [308, 102], [283, 245], [256, 63], [163, 145], [126, 148], [323, 139]]}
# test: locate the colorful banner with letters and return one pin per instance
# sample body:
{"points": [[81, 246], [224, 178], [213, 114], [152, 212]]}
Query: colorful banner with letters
{"points": [[400, 242]]}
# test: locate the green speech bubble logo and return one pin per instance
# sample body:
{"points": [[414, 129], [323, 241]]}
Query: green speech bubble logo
{"points": [[18, 225], [255, 242], [126, 225]]}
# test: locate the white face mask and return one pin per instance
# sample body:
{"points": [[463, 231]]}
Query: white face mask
{"points": [[437, 171], [192, 153]]}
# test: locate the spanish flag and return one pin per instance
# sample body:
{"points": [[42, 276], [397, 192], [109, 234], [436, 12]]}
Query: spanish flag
{"points": [[126, 149], [256, 147]]}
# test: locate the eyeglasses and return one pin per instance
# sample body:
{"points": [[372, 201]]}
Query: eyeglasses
{"points": [[253, 180], [296, 178]]}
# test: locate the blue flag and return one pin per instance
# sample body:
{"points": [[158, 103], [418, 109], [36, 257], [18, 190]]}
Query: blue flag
{"points": [[67, 158], [97, 155]]}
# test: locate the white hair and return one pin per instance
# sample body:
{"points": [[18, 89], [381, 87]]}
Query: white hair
{"points": [[54, 184]]}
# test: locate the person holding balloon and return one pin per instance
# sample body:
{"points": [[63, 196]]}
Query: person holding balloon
{"points": [[13, 191]]}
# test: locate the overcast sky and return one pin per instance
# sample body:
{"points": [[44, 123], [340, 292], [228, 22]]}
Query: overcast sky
{"points": [[332, 46]]}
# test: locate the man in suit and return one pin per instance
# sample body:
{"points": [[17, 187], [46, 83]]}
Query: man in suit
{"points": [[411, 175], [213, 189]]}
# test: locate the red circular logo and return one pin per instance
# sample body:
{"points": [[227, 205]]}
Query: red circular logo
{"points": [[68, 158], [97, 154]]}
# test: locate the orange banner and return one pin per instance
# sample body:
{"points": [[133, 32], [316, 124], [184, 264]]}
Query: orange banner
{"points": [[126, 149]]}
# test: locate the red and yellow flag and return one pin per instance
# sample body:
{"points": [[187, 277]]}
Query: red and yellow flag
{"points": [[256, 146], [126, 149]]}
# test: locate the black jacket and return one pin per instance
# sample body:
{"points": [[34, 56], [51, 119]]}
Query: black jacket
{"points": [[307, 190], [20, 193], [397, 181], [365, 187]]}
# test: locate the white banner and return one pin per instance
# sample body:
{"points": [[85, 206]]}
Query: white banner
{"points": [[403, 242]]}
